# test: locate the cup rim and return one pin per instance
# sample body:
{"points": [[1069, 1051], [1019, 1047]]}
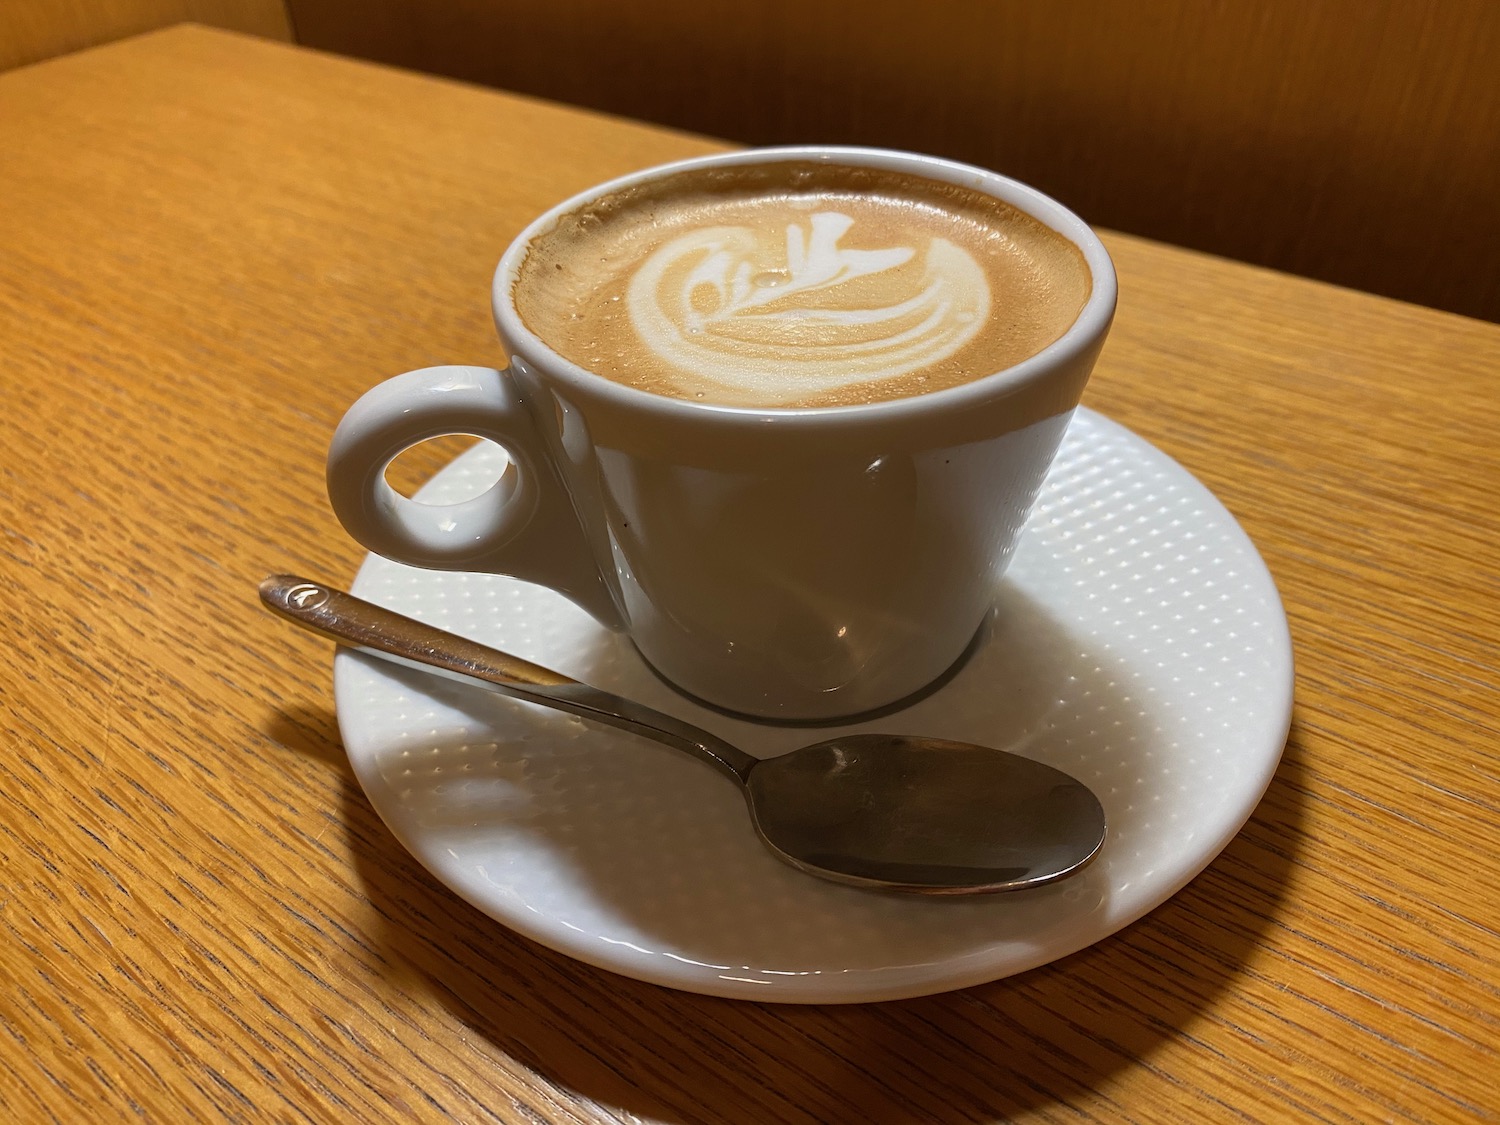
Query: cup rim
{"points": [[1087, 329]]}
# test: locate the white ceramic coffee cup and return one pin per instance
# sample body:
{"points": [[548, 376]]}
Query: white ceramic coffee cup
{"points": [[797, 564]]}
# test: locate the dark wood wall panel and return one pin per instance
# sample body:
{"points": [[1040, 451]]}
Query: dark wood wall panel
{"points": [[1356, 141], [31, 30]]}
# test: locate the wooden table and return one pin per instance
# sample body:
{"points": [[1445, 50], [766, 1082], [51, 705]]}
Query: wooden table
{"points": [[209, 245]]}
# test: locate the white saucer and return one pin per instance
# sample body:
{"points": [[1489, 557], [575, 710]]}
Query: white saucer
{"points": [[1138, 643]]}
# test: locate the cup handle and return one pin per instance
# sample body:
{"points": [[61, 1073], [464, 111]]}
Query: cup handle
{"points": [[524, 525]]}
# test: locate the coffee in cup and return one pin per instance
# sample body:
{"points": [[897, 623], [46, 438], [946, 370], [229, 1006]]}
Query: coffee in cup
{"points": [[799, 284]]}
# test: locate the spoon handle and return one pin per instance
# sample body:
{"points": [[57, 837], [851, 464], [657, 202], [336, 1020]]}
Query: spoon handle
{"points": [[366, 627]]}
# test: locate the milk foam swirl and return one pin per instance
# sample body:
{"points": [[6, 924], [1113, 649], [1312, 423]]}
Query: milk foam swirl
{"points": [[740, 307]]}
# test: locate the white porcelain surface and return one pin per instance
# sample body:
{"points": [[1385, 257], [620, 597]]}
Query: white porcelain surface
{"points": [[792, 563], [1138, 643]]}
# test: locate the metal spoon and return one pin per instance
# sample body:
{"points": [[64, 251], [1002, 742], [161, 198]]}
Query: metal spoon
{"points": [[888, 811]]}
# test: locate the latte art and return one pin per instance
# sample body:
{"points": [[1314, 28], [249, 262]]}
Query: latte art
{"points": [[808, 316], [798, 284]]}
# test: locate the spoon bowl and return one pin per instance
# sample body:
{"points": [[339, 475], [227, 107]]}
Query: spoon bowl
{"points": [[923, 814], [885, 811]]}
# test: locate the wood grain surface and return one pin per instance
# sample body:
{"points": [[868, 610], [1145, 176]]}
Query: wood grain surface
{"points": [[1357, 141], [211, 244]]}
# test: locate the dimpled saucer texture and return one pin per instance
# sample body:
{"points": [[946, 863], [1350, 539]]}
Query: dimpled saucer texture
{"points": [[1137, 642]]}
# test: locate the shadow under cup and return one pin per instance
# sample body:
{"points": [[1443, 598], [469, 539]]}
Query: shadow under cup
{"points": [[791, 564]]}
